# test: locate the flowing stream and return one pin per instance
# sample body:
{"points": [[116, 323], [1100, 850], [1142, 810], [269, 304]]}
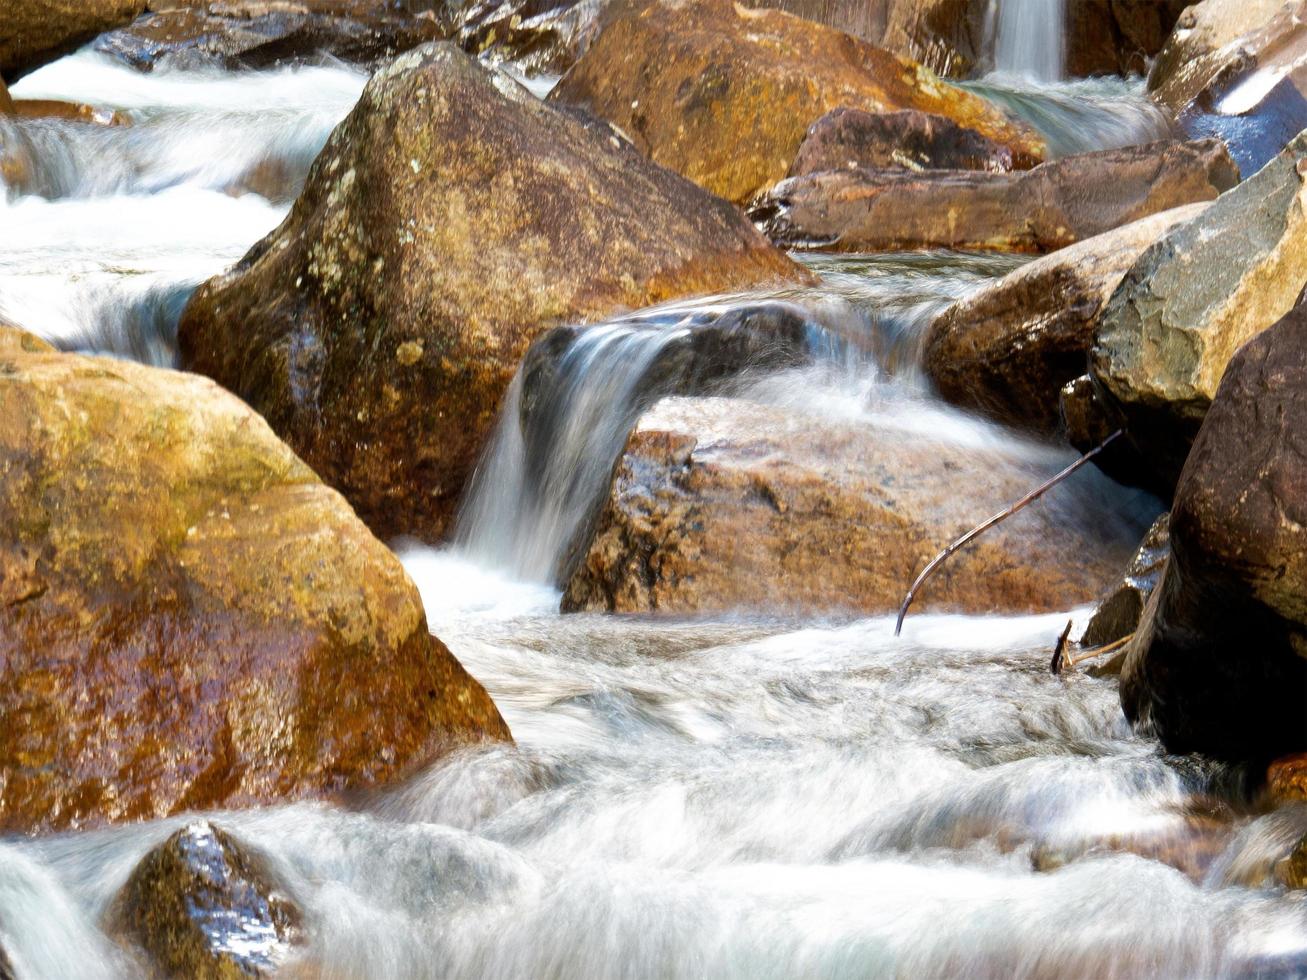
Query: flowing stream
{"points": [[747, 796]]}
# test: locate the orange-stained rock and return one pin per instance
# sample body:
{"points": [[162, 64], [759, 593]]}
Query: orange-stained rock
{"points": [[450, 221], [719, 504], [724, 94], [189, 618], [1050, 207], [1286, 779], [1007, 350], [68, 112], [33, 32]]}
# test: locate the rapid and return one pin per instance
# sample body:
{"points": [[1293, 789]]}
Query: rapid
{"points": [[749, 796]]}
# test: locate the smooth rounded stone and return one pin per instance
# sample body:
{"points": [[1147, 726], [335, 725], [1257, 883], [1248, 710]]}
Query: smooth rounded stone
{"points": [[262, 33], [719, 504], [1286, 779], [1191, 300], [33, 32], [1237, 69], [202, 906], [451, 220], [1119, 614], [1007, 350], [1217, 664], [724, 94], [1050, 207], [845, 139], [189, 618]]}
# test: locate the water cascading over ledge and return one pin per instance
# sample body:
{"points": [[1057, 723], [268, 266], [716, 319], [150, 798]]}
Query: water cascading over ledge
{"points": [[1030, 38]]}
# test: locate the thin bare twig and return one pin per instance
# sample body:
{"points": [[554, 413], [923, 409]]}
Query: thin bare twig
{"points": [[1002, 515], [1105, 649]]}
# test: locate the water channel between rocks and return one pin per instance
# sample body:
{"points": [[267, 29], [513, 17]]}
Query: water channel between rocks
{"points": [[746, 796]]}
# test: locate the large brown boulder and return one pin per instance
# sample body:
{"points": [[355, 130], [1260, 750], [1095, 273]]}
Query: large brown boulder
{"points": [[846, 139], [1219, 664], [258, 33], [202, 906], [1040, 210], [1106, 37], [1008, 349], [1190, 301], [720, 504], [189, 618], [724, 94], [451, 219], [33, 32], [1237, 69]]}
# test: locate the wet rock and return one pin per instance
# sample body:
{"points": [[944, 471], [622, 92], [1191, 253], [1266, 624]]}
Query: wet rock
{"points": [[720, 504], [201, 905], [1040, 210], [68, 112], [1118, 615], [537, 36], [846, 139], [6, 967], [450, 221], [1117, 37], [189, 618], [33, 32], [1190, 300], [1286, 779], [6, 103], [1007, 350], [263, 33], [724, 94], [1218, 663], [1237, 69]]}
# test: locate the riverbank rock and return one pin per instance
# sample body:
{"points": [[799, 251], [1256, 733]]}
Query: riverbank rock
{"points": [[1007, 350], [1191, 300], [1219, 663], [1117, 37], [846, 139], [1050, 207], [720, 504], [450, 221], [259, 34], [1237, 69], [724, 94], [189, 618], [33, 32], [536, 36], [202, 906], [1119, 614]]}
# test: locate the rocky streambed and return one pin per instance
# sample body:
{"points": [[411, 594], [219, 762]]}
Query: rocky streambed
{"points": [[460, 462]]}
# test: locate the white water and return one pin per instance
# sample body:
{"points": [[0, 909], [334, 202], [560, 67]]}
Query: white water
{"points": [[1029, 38], [744, 797]]}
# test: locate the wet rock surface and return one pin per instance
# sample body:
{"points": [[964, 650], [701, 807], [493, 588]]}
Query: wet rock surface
{"points": [[1190, 301], [33, 32], [724, 94], [721, 504], [1119, 614], [847, 139], [259, 33], [1237, 69], [203, 907], [1040, 210], [451, 220], [1219, 662], [188, 616], [1007, 350]]}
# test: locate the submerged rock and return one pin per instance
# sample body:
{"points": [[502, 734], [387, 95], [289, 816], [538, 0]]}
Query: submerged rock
{"points": [[719, 504], [1219, 663], [1008, 349], [1119, 614], [259, 34], [1237, 69], [1190, 300], [68, 112], [724, 94], [846, 139], [33, 32], [1040, 210], [450, 221], [203, 907], [188, 617]]}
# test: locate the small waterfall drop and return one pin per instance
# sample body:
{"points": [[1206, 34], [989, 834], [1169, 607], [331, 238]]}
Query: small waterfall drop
{"points": [[1029, 39]]}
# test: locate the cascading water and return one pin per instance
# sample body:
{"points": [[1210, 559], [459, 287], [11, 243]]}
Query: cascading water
{"points": [[1029, 39], [743, 797]]}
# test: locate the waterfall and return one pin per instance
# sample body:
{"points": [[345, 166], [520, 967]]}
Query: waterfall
{"points": [[1030, 38]]}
